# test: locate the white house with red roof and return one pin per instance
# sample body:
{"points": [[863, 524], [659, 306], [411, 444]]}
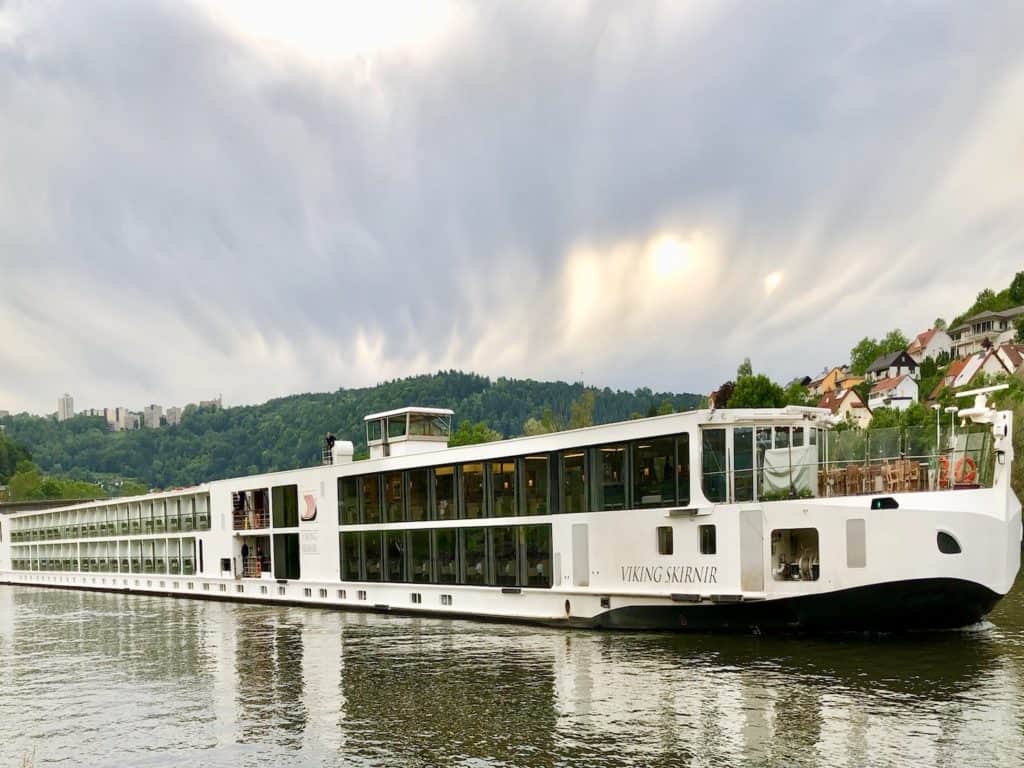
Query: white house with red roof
{"points": [[963, 372], [846, 404], [930, 343], [899, 392]]}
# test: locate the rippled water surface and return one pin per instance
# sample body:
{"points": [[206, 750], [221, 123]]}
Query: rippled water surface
{"points": [[108, 679]]}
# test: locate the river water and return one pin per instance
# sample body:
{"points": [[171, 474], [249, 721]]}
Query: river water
{"points": [[118, 680]]}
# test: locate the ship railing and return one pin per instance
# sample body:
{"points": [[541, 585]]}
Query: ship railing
{"points": [[251, 519]]}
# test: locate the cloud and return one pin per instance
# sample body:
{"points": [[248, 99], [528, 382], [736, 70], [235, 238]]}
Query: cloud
{"points": [[192, 203]]}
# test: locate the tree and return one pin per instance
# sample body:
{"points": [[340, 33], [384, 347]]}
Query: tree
{"points": [[469, 433], [863, 355], [745, 369], [868, 350], [757, 392], [581, 412], [665, 408], [939, 323], [796, 394], [1016, 289], [724, 394], [1019, 325], [884, 418]]}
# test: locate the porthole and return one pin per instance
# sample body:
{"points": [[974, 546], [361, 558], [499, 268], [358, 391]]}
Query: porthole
{"points": [[947, 544]]}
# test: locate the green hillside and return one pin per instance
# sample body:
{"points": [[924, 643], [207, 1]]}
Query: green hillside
{"points": [[288, 432]]}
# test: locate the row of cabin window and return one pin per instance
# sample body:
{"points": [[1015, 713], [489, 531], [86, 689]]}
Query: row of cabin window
{"points": [[499, 556], [644, 473]]}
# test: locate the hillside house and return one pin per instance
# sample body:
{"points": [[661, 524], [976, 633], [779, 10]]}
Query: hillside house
{"points": [[931, 343], [997, 328], [846, 404], [899, 392], [962, 372], [892, 366]]}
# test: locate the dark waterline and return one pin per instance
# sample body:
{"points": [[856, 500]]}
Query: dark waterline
{"points": [[111, 680]]}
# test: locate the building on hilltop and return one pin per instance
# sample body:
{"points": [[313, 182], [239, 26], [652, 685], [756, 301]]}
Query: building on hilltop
{"points": [[832, 379], [932, 343], [846, 404], [997, 328], [151, 415], [65, 407], [962, 372], [118, 418], [899, 392], [173, 416], [892, 366], [215, 403]]}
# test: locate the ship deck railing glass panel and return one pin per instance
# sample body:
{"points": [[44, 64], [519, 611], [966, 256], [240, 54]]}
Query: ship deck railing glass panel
{"points": [[772, 462]]}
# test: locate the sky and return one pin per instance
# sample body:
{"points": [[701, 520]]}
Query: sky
{"points": [[255, 198]]}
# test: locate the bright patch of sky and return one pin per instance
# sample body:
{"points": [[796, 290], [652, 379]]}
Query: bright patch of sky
{"points": [[257, 198]]}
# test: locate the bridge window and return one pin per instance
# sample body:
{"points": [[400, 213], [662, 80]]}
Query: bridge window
{"points": [[425, 425], [396, 426]]}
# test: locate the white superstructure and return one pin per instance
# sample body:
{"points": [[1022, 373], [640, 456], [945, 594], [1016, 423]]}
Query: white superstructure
{"points": [[734, 519]]}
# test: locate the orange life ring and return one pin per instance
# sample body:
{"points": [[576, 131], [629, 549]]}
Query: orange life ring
{"points": [[943, 470], [966, 470]]}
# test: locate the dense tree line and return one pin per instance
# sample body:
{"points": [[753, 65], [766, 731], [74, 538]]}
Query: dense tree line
{"points": [[288, 432]]}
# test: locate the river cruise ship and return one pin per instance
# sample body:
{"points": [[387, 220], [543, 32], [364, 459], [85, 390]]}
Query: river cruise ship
{"points": [[740, 520]]}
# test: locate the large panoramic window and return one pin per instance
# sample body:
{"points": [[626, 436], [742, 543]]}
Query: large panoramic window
{"points": [[574, 481], [446, 553], [538, 555], [348, 500], [503, 485], [419, 555], [743, 463], [610, 492], [536, 486], [350, 556], [475, 548], [416, 489], [393, 497], [370, 494], [285, 504], [444, 493], [505, 549], [654, 472], [473, 490], [372, 555], [394, 542], [713, 459]]}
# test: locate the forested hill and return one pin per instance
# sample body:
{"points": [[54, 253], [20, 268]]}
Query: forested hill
{"points": [[288, 432]]}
